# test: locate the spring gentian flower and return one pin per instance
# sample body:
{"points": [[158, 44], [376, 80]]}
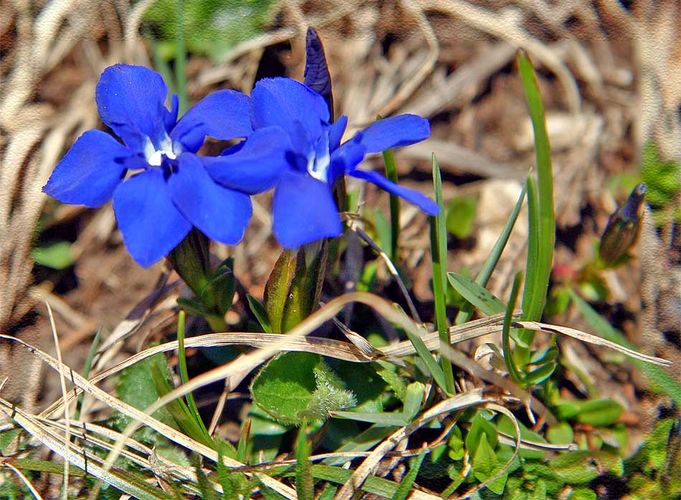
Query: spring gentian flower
{"points": [[169, 190], [306, 156]]}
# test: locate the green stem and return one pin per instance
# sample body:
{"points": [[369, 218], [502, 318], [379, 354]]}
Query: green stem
{"points": [[391, 174]]}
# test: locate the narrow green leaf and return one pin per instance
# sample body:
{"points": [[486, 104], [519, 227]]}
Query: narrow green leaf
{"points": [[438, 250], [600, 412], [481, 298], [506, 331], [304, 482], [374, 485], [258, 310], [408, 480], [428, 359], [184, 375], [542, 219], [413, 400], [92, 351]]}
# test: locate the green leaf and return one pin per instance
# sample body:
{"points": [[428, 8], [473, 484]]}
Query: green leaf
{"points": [[583, 494], [363, 381], [461, 216], [304, 482], [137, 388], [292, 290], [560, 433], [600, 412], [580, 467], [55, 256], [374, 485], [221, 286], [481, 298], [485, 466], [8, 438], [295, 386], [438, 251], [480, 426], [258, 310], [455, 444], [505, 425], [413, 400], [542, 230]]}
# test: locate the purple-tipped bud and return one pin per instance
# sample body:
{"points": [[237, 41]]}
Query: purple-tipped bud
{"points": [[316, 70]]}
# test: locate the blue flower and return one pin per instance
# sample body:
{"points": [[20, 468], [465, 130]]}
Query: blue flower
{"points": [[300, 149], [168, 191]]}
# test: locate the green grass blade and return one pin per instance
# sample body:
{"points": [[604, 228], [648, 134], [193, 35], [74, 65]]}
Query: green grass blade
{"points": [[492, 259], [477, 295], [428, 359], [304, 481], [184, 375], [438, 249], [408, 480], [391, 174], [542, 219], [506, 331], [86, 369], [659, 379]]}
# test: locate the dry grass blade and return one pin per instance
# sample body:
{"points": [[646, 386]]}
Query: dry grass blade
{"points": [[591, 339], [162, 467], [62, 383], [24, 480], [140, 418], [78, 457], [458, 402]]}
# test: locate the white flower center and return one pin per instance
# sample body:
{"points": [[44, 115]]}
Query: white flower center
{"points": [[319, 159], [318, 167], [167, 148]]}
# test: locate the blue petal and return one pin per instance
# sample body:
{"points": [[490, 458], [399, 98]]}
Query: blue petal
{"points": [[225, 114], [150, 223], [345, 159], [282, 101], [131, 100], [336, 132], [304, 210], [418, 199], [220, 213], [393, 132], [254, 165], [90, 171]]}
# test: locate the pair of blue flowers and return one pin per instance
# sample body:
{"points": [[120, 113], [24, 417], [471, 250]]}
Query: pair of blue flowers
{"points": [[161, 188]]}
